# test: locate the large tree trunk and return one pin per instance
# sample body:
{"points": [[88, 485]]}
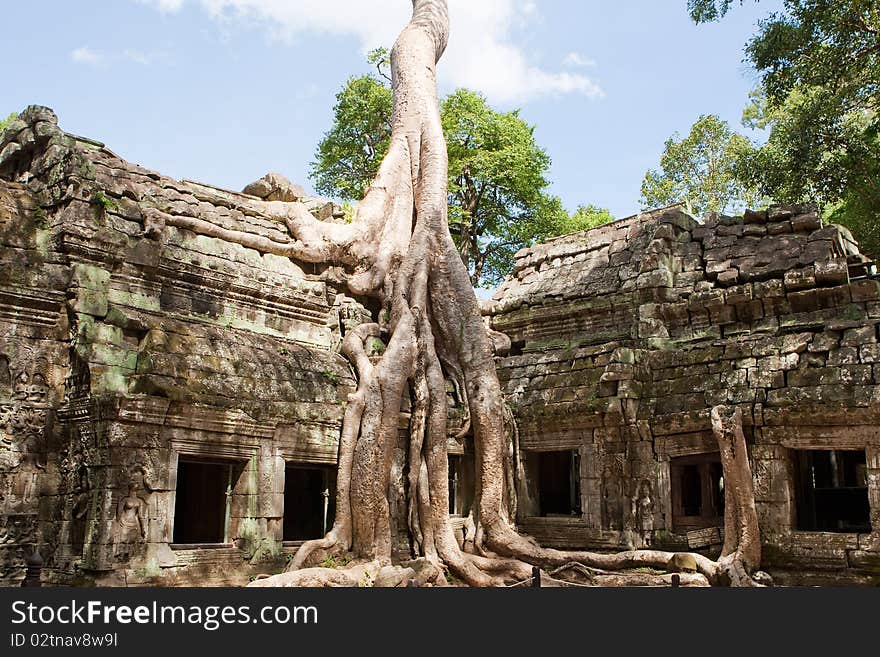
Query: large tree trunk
{"points": [[400, 251], [741, 554]]}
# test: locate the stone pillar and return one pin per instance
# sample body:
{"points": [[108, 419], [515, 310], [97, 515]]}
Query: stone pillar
{"points": [[171, 498], [246, 525], [271, 490], [527, 490], [98, 547], [773, 489], [591, 485], [872, 453], [663, 506]]}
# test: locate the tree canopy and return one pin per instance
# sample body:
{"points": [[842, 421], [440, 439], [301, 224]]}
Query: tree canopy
{"points": [[497, 188], [706, 11], [702, 171], [584, 218], [349, 155], [819, 62], [818, 100], [5, 122], [496, 185]]}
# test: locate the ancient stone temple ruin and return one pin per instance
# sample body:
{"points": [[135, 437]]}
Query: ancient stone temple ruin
{"points": [[625, 336], [171, 400]]}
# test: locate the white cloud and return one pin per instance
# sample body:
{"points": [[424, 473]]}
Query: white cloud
{"points": [[482, 54], [139, 57], [576, 59], [101, 59], [87, 56], [165, 6]]}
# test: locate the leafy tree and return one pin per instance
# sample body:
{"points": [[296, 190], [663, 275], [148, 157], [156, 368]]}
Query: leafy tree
{"points": [[350, 153], [497, 172], [496, 185], [706, 11], [819, 97], [820, 71], [702, 171], [5, 122], [586, 217]]}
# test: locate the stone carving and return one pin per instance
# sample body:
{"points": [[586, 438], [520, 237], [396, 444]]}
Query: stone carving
{"points": [[5, 374], [78, 384], [130, 532], [23, 420], [17, 533], [613, 492], [644, 513]]}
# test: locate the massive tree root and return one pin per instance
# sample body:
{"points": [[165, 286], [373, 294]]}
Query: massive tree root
{"points": [[398, 250]]}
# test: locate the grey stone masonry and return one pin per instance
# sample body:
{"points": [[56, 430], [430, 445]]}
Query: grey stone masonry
{"points": [[128, 345], [625, 336]]}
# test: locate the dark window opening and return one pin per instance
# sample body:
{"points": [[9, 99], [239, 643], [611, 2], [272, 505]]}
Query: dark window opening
{"points": [[697, 486], [691, 490], [559, 483], [454, 482], [203, 500], [831, 489], [461, 481], [309, 502], [517, 347]]}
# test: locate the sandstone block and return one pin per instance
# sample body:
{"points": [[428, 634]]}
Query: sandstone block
{"points": [[832, 272], [755, 217], [806, 223], [779, 227], [865, 290], [800, 279], [857, 337], [728, 277]]}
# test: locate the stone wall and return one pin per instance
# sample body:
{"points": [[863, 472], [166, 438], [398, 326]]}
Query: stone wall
{"points": [[138, 334], [127, 343], [626, 335]]}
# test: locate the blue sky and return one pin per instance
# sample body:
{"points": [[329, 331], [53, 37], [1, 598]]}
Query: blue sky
{"points": [[223, 91]]}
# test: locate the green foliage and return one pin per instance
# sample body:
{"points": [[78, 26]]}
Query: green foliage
{"points": [[819, 97], [827, 44], [381, 59], [497, 186], [335, 562], [332, 377], [820, 72], [101, 199], [586, 217], [703, 171], [706, 11], [350, 153], [348, 211], [5, 122], [497, 202], [647, 571]]}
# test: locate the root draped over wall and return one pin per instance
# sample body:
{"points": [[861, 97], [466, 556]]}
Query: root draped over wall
{"points": [[398, 250]]}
